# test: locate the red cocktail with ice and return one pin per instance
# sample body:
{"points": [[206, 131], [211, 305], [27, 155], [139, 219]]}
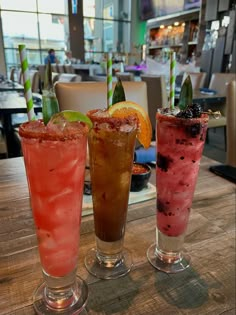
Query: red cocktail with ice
{"points": [[54, 157]]}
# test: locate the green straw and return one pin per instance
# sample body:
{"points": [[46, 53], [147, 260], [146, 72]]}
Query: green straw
{"points": [[109, 80], [27, 84], [172, 79]]}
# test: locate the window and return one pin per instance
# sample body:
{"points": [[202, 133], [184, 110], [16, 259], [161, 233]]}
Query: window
{"points": [[16, 5], [106, 27], [53, 7], [44, 24], [39, 24]]}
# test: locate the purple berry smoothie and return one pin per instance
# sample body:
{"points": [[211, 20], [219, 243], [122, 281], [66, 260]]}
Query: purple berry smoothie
{"points": [[180, 143]]}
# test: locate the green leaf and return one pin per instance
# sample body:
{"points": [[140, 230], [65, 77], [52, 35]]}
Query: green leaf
{"points": [[71, 116], [49, 105], [186, 94], [48, 77], [119, 93], [49, 101]]}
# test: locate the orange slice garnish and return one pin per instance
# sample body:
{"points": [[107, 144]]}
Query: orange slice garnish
{"points": [[126, 108]]}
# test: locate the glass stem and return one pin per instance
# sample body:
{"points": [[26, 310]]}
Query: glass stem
{"points": [[61, 292], [168, 248]]}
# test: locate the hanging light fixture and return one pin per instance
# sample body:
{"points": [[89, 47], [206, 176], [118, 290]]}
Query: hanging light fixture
{"points": [[74, 4]]}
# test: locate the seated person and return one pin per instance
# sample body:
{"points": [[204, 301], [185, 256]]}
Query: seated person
{"points": [[68, 60], [51, 57]]}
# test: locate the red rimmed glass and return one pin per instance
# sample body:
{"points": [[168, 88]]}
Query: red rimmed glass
{"points": [[180, 143], [55, 165], [111, 148]]}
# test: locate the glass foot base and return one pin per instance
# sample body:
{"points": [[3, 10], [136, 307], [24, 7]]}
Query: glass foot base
{"points": [[162, 265], [78, 301], [102, 271]]}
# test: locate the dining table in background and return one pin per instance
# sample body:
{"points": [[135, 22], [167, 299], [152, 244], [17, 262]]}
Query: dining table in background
{"points": [[14, 103], [207, 287], [136, 69], [204, 99], [10, 86], [87, 70]]}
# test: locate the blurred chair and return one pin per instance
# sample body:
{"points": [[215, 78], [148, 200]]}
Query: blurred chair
{"points": [[69, 77], [12, 74], [41, 69], [3, 146], [197, 78], [55, 77], [219, 82], [220, 122], [227, 170], [84, 96], [69, 69], [34, 80], [156, 95], [231, 124], [60, 68], [54, 67], [125, 76], [19, 76]]}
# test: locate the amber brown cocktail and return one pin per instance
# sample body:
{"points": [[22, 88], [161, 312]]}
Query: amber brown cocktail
{"points": [[111, 148]]}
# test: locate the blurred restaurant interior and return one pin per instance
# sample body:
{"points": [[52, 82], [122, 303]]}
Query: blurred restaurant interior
{"points": [[143, 210], [139, 34]]}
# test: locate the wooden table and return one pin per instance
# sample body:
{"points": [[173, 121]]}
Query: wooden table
{"points": [[13, 103], [207, 287]]}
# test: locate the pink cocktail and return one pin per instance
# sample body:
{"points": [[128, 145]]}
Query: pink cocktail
{"points": [[55, 165], [180, 143]]}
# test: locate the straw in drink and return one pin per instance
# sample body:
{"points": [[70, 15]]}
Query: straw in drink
{"points": [[109, 80], [180, 138], [54, 156], [172, 78], [111, 146], [27, 84]]}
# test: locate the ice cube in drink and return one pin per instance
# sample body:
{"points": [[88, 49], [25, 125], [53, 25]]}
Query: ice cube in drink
{"points": [[55, 165]]}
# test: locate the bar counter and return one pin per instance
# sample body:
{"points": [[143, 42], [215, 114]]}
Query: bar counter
{"points": [[207, 287]]}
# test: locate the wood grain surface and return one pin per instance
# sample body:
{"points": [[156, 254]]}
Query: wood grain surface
{"points": [[207, 287]]}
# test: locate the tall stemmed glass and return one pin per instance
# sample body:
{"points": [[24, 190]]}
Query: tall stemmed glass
{"points": [[54, 157], [111, 148], [180, 142]]}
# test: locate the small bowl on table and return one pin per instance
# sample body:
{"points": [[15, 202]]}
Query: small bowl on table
{"points": [[141, 173]]}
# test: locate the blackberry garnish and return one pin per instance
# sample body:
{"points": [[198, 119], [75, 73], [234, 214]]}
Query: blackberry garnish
{"points": [[185, 114], [196, 110]]}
